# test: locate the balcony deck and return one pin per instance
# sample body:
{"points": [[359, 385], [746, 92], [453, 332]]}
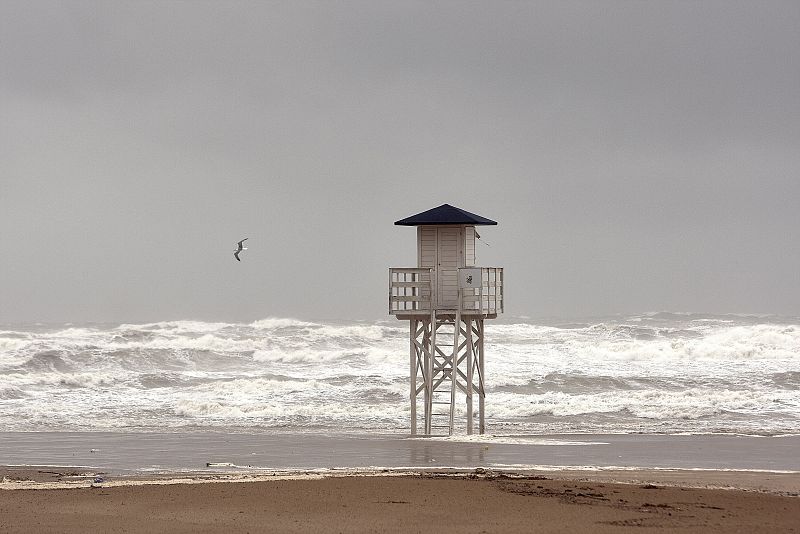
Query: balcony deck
{"points": [[412, 292]]}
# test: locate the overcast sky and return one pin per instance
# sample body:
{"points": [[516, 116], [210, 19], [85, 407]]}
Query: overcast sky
{"points": [[638, 156]]}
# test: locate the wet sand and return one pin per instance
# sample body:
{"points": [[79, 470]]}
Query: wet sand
{"points": [[475, 502], [131, 452]]}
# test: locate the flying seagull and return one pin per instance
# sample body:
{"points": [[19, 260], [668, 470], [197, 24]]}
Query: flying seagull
{"points": [[241, 248]]}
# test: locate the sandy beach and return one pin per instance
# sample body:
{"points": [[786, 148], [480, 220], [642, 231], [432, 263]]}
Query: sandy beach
{"points": [[422, 502], [214, 482]]}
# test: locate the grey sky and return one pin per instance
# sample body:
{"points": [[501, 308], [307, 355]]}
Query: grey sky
{"points": [[638, 156]]}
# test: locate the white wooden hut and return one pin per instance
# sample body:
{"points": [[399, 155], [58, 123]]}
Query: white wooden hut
{"points": [[446, 299]]}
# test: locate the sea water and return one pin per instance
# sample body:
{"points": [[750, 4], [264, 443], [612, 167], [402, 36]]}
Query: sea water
{"points": [[654, 373]]}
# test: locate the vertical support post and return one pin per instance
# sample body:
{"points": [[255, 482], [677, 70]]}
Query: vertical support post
{"points": [[454, 363], [413, 360], [468, 330], [481, 397], [429, 372]]}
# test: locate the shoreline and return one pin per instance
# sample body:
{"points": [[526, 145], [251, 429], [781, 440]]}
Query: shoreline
{"points": [[785, 483], [125, 453]]}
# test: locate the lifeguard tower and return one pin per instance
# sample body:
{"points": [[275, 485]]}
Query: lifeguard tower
{"points": [[446, 299]]}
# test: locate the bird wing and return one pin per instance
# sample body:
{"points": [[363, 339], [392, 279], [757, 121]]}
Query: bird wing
{"points": [[242, 241], [237, 255]]}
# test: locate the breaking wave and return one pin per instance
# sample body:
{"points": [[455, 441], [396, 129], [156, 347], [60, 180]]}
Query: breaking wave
{"points": [[648, 373]]}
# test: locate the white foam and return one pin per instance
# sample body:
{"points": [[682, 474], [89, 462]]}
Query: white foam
{"points": [[490, 439], [675, 373], [175, 327], [279, 322], [8, 344], [691, 403]]}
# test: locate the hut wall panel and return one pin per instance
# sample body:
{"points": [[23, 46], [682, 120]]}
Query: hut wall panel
{"points": [[469, 250], [427, 246]]}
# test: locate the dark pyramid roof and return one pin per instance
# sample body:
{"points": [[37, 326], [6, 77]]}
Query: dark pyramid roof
{"points": [[444, 214]]}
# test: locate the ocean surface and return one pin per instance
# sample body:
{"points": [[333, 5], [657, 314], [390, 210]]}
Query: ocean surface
{"points": [[657, 373]]}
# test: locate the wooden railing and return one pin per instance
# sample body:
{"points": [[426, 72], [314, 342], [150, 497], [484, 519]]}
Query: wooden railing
{"points": [[486, 298], [410, 290]]}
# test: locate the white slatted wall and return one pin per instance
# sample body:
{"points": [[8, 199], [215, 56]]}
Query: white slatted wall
{"points": [[426, 243], [426, 253], [469, 250]]}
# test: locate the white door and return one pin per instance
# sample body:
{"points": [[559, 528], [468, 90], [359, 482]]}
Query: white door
{"points": [[447, 263]]}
